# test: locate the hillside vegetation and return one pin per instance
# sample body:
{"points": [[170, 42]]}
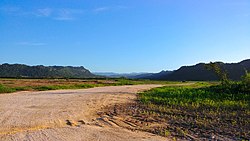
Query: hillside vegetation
{"points": [[199, 72], [24, 71]]}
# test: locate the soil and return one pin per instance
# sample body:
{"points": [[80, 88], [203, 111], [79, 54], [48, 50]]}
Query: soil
{"points": [[49, 82], [70, 115]]}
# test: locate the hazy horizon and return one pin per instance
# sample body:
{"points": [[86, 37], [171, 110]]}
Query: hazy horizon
{"points": [[124, 36]]}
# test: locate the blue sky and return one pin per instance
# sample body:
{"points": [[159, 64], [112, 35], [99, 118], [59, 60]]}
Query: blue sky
{"points": [[124, 36]]}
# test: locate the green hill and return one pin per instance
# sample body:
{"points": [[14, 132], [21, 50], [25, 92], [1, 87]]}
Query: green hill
{"points": [[198, 72], [25, 71]]}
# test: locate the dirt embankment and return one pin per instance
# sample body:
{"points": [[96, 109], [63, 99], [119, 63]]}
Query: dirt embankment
{"points": [[68, 115]]}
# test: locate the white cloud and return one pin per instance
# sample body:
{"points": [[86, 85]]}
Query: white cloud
{"points": [[121, 7], [108, 8], [67, 14], [31, 43], [64, 14], [45, 12], [101, 9], [64, 18], [52, 13]]}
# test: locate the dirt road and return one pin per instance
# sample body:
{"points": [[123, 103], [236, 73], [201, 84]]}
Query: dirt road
{"points": [[69, 115]]}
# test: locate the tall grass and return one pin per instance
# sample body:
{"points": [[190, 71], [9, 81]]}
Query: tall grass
{"points": [[58, 87], [195, 97], [4, 89], [202, 112]]}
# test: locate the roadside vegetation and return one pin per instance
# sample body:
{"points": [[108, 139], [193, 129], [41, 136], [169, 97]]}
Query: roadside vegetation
{"points": [[198, 111], [204, 111], [13, 85]]}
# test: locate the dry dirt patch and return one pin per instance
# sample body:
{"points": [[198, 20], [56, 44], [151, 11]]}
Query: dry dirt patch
{"points": [[66, 114]]}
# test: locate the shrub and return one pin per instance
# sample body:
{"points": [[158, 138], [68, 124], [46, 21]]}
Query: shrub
{"points": [[220, 72], [4, 89], [246, 82]]}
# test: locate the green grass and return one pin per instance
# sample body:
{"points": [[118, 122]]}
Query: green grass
{"points": [[195, 98], [4, 89], [59, 87], [201, 110], [118, 82], [90, 84], [122, 81]]}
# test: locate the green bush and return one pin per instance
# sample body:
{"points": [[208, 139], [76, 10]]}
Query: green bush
{"points": [[246, 82], [4, 89]]}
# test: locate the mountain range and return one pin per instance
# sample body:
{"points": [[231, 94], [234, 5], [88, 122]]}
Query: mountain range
{"points": [[25, 71], [198, 72]]}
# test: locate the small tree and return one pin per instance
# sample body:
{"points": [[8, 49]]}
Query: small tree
{"points": [[246, 82], [222, 74]]}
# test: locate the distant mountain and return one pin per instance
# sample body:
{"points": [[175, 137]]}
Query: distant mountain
{"points": [[25, 71], [198, 72], [117, 75], [108, 74], [154, 76], [142, 76]]}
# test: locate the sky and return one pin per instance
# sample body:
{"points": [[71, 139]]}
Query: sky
{"points": [[124, 35]]}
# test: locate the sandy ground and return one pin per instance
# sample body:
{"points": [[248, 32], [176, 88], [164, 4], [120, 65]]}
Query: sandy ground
{"points": [[69, 115]]}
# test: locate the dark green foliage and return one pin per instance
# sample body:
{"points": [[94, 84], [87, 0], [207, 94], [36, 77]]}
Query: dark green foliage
{"points": [[219, 71], [199, 72], [24, 71], [246, 83]]}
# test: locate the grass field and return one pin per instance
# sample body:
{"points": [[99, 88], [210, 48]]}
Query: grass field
{"points": [[13, 85], [202, 111]]}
